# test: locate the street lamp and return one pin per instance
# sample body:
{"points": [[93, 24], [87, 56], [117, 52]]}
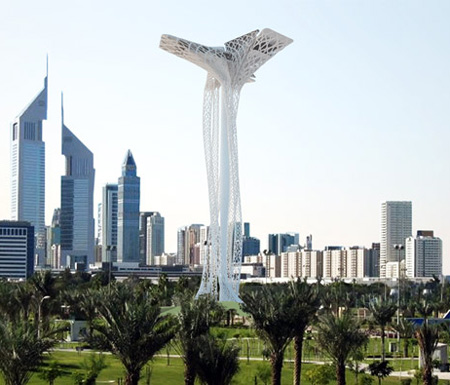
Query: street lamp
{"points": [[39, 315], [399, 248]]}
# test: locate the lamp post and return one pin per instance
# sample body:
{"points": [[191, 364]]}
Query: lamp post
{"points": [[39, 314], [399, 248]]}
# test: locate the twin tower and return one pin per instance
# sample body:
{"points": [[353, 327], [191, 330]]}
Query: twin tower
{"points": [[76, 222]]}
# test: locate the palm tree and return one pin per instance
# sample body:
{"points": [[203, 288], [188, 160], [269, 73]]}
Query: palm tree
{"points": [[218, 360], [269, 308], [382, 313], [405, 330], [303, 308], [427, 336], [195, 318], [21, 351], [130, 326], [339, 336]]}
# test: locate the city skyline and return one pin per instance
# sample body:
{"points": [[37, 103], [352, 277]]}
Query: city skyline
{"points": [[362, 117]]}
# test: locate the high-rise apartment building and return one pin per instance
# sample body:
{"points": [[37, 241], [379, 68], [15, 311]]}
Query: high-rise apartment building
{"points": [[128, 212], [357, 257], [189, 240], [334, 262], [423, 255], [28, 169], [77, 201], [109, 222], [16, 249], [396, 226]]}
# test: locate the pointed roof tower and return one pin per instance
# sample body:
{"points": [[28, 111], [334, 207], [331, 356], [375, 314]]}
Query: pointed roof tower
{"points": [[129, 165]]}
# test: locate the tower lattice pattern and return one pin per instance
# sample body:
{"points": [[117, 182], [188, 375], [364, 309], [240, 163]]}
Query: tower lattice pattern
{"points": [[228, 68]]}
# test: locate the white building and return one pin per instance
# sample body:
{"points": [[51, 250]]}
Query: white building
{"points": [[396, 226], [28, 168], [155, 237], [423, 255], [356, 261]]}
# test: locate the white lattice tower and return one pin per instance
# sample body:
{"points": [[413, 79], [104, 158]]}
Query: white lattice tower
{"points": [[228, 68]]}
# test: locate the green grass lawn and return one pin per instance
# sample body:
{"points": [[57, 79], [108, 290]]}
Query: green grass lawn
{"points": [[172, 374]]}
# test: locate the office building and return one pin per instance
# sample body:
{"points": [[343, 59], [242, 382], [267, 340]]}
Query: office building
{"points": [[423, 255], [109, 222], [77, 201], [28, 169], [151, 236], [54, 240], [396, 226], [278, 243], [372, 267], [250, 245], [308, 245], [128, 212], [16, 249]]}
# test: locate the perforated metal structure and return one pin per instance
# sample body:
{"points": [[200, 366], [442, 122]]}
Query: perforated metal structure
{"points": [[228, 68]]}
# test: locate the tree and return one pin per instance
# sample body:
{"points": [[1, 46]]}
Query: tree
{"points": [[92, 366], [380, 369], [320, 375], [51, 373], [195, 318], [338, 337], [405, 330], [427, 336], [382, 313], [218, 360], [21, 351], [269, 308], [303, 307], [130, 326]]}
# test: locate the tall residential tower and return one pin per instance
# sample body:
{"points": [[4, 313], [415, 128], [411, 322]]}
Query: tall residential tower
{"points": [[28, 168], [396, 226]]}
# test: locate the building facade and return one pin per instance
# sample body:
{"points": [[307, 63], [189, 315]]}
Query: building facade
{"points": [[77, 202], [423, 255], [16, 249], [28, 169], [109, 222], [155, 237], [278, 243], [128, 212], [396, 226]]}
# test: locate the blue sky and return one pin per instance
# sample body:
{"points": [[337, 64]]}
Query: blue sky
{"points": [[353, 113]]}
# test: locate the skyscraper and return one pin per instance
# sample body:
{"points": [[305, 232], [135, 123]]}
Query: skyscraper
{"points": [[278, 243], [28, 168], [77, 201], [155, 237], [128, 212], [109, 222], [396, 226]]}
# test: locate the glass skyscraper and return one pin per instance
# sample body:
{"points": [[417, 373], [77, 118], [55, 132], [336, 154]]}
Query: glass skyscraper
{"points": [[28, 168], [128, 212], [77, 201]]}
